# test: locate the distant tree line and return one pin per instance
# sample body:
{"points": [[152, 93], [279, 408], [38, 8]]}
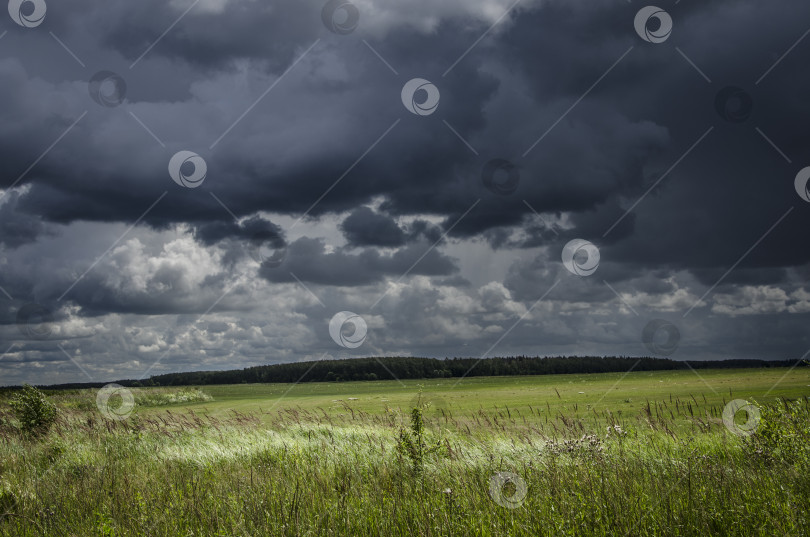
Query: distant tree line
{"points": [[389, 368]]}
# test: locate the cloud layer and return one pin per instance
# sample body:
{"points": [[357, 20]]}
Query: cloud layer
{"points": [[444, 230]]}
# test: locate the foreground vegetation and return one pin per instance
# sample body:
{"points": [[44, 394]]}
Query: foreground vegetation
{"points": [[566, 455]]}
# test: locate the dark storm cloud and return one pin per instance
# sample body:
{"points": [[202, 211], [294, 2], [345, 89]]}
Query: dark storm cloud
{"points": [[364, 227], [253, 237], [435, 174], [266, 31], [293, 128], [18, 228], [727, 192], [611, 147], [253, 230], [308, 260]]}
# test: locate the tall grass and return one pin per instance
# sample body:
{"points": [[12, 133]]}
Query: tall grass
{"points": [[341, 472]]}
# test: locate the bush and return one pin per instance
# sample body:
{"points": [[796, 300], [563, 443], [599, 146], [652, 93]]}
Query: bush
{"points": [[33, 410], [783, 433], [414, 444]]}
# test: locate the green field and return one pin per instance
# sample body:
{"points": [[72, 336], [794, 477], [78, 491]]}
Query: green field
{"points": [[644, 453], [612, 392]]}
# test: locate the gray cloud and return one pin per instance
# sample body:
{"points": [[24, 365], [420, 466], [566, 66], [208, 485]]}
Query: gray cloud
{"points": [[314, 154], [309, 260], [365, 227]]}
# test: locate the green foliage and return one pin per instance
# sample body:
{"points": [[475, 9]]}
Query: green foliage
{"points": [[413, 443], [105, 525], [391, 367], [33, 410], [783, 433], [8, 497], [53, 451], [318, 464]]}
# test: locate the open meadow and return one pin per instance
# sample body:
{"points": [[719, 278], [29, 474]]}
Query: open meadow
{"points": [[644, 453]]}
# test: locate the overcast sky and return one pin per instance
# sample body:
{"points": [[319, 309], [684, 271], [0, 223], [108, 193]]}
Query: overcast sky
{"points": [[205, 185]]}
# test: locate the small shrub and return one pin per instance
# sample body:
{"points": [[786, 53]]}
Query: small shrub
{"points": [[33, 410], [413, 443], [783, 433]]}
